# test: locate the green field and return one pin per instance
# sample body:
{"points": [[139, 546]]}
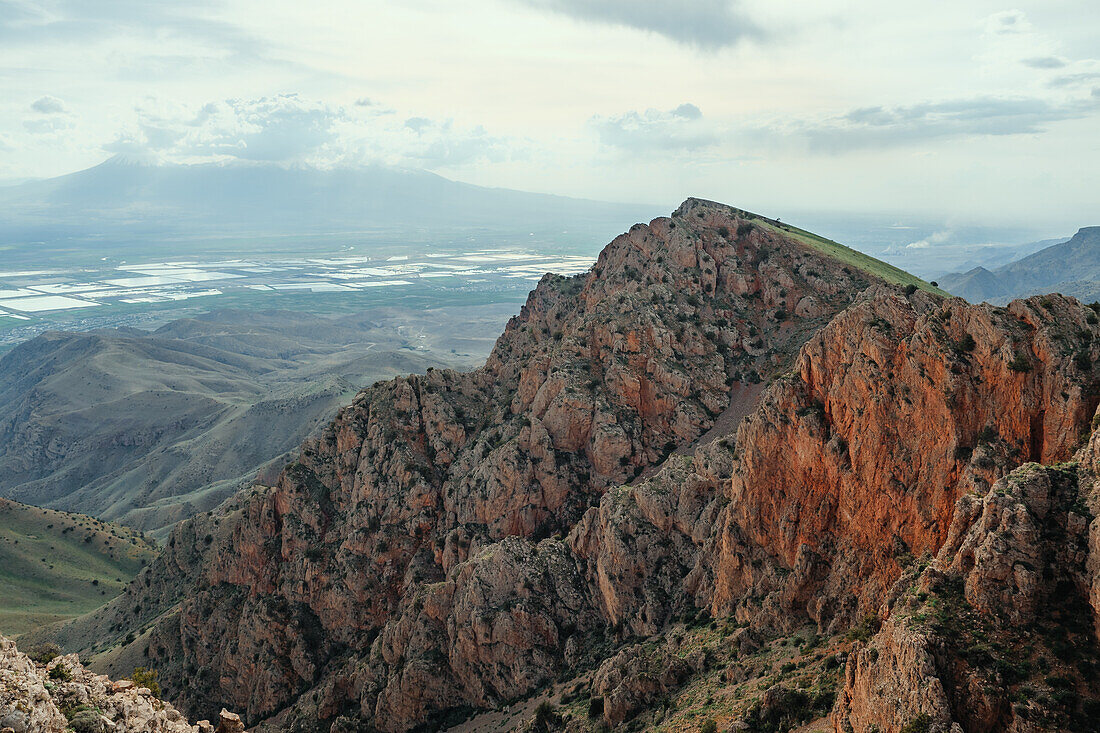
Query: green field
{"points": [[55, 565]]}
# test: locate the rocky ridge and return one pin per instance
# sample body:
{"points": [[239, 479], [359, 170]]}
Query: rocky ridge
{"points": [[454, 542], [56, 694]]}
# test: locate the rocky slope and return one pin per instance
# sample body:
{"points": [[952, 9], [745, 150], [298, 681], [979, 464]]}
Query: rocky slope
{"points": [[412, 493], [454, 542], [999, 631], [51, 694]]}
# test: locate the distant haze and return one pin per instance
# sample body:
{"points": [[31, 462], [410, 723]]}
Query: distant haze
{"points": [[976, 113]]}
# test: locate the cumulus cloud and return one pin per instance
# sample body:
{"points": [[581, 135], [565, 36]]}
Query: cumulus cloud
{"points": [[290, 130], [705, 24], [48, 105], [682, 128], [280, 129], [873, 127]]}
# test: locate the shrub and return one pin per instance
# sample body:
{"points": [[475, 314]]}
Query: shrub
{"points": [[60, 673], [1020, 364], [709, 726], [966, 344], [143, 677], [86, 721], [987, 434], [910, 289], [920, 724]]}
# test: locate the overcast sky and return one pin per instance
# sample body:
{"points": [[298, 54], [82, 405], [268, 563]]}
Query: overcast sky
{"points": [[970, 109]]}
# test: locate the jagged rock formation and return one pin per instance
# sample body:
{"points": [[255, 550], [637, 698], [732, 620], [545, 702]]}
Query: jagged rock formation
{"points": [[998, 632], [599, 377], [455, 541], [57, 694]]}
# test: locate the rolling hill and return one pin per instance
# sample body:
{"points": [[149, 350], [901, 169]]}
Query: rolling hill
{"points": [[55, 565], [149, 428]]}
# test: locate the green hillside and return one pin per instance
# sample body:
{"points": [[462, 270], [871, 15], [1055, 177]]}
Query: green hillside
{"points": [[55, 565], [849, 256]]}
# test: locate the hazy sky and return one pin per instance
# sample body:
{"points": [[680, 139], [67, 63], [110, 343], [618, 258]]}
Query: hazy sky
{"points": [[968, 109]]}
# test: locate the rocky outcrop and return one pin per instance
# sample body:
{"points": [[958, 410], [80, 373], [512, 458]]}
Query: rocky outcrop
{"points": [[57, 694], [460, 540], [997, 633], [598, 378], [855, 460]]}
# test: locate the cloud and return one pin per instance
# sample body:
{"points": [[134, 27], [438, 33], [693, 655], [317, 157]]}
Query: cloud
{"points": [[35, 22], [1070, 80], [704, 24], [48, 105], [418, 124], [365, 102], [1007, 22], [1045, 62], [281, 128], [47, 125], [879, 127], [929, 241], [680, 129], [290, 130]]}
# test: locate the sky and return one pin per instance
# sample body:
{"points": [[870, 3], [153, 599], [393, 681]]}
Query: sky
{"points": [[967, 111]]}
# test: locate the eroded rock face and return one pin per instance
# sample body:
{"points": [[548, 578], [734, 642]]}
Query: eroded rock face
{"points": [[599, 377], [33, 696], [459, 540], [997, 633], [894, 411]]}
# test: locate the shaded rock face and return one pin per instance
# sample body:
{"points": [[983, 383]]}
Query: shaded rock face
{"points": [[997, 634], [385, 538], [60, 695]]}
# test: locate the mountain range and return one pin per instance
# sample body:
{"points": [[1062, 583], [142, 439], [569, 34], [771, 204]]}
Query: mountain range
{"points": [[1071, 267], [128, 206], [735, 477]]}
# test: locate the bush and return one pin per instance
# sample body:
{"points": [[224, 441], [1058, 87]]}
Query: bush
{"points": [[920, 724], [966, 344], [1020, 364], [86, 721], [143, 677], [910, 289], [60, 673], [709, 726], [44, 653]]}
